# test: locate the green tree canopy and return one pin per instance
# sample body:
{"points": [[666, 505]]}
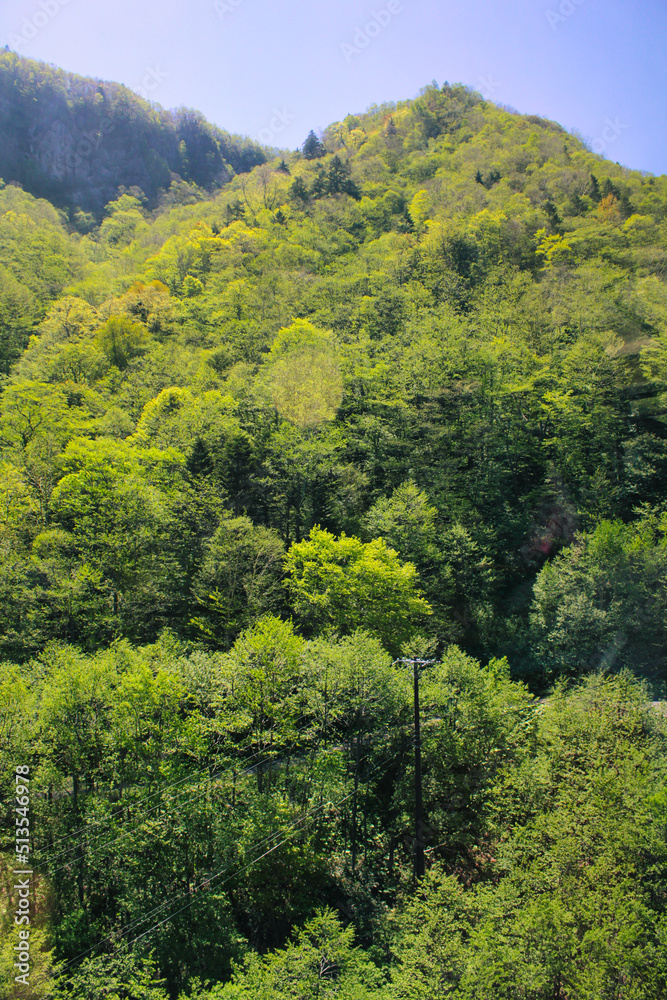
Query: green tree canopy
{"points": [[347, 584]]}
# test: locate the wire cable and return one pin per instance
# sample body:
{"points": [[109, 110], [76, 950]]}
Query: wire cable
{"points": [[82, 831], [144, 815], [206, 883]]}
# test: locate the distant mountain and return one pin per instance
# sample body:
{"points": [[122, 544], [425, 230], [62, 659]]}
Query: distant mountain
{"points": [[75, 141]]}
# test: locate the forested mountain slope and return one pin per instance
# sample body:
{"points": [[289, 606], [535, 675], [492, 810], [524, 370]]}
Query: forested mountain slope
{"points": [[75, 140], [444, 328], [401, 392]]}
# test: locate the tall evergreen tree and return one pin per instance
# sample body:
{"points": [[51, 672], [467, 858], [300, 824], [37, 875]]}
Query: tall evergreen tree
{"points": [[312, 148]]}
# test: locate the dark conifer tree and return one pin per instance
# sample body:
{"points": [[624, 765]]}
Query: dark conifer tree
{"points": [[312, 148], [320, 184], [199, 463], [298, 190], [338, 176], [552, 213]]}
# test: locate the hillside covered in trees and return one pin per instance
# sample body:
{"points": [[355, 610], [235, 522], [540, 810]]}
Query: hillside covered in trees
{"points": [[400, 393], [76, 141]]}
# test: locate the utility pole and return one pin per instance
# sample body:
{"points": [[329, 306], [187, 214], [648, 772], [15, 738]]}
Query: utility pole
{"points": [[419, 800]]}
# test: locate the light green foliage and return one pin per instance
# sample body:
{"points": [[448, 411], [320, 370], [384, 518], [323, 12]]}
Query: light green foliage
{"points": [[430, 949], [454, 571], [41, 953], [419, 208], [121, 340], [601, 603], [113, 518], [146, 720], [482, 723], [124, 222], [322, 961], [349, 678], [406, 520], [37, 262], [176, 417], [122, 977], [73, 719], [265, 667], [17, 706], [33, 412], [345, 584], [305, 380], [563, 913], [240, 578], [431, 356]]}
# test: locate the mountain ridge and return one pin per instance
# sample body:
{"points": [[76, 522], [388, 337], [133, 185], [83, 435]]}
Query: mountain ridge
{"points": [[76, 140]]}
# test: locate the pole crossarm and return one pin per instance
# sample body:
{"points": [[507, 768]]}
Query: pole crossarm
{"points": [[421, 663]]}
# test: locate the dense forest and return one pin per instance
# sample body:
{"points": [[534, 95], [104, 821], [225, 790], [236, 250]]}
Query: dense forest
{"points": [[399, 394], [77, 141]]}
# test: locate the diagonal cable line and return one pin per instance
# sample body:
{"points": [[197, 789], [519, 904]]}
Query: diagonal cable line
{"points": [[127, 831], [159, 792], [206, 883], [133, 829]]}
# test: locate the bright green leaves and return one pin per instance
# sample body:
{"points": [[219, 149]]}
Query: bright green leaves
{"points": [[125, 977], [560, 907], [344, 584], [555, 249], [149, 728], [37, 261], [601, 603], [420, 208], [34, 411], [122, 339], [74, 712], [430, 945], [177, 416], [304, 375], [322, 961], [118, 522], [124, 223], [266, 660]]}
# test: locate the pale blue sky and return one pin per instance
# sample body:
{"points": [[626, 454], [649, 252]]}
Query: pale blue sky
{"points": [[275, 70]]}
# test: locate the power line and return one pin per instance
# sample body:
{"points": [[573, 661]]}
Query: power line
{"points": [[82, 831], [144, 815], [133, 829], [206, 883], [102, 826]]}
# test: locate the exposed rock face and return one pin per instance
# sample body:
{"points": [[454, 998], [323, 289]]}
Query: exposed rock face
{"points": [[75, 141]]}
